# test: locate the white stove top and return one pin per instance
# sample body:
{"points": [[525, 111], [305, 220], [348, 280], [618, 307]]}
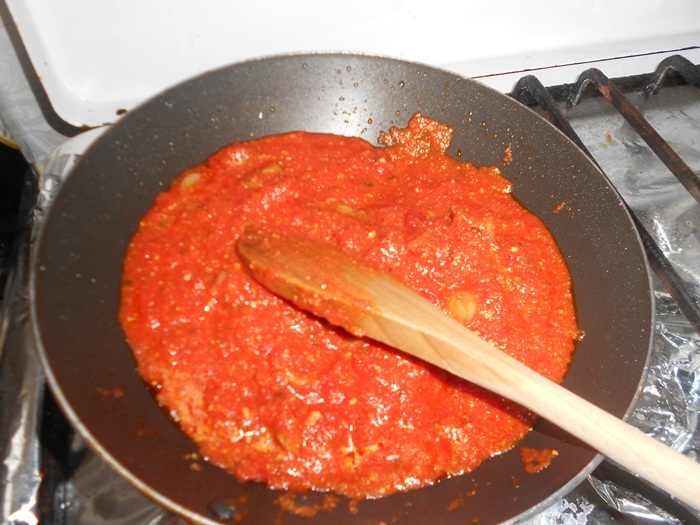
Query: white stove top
{"points": [[96, 59]]}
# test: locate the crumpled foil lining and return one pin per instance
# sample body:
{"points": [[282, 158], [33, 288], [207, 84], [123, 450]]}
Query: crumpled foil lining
{"points": [[667, 409]]}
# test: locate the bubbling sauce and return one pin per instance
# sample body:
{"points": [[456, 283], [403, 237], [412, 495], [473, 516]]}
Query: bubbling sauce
{"points": [[271, 393]]}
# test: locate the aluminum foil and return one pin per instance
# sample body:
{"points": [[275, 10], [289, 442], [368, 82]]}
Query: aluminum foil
{"points": [[78, 487]]}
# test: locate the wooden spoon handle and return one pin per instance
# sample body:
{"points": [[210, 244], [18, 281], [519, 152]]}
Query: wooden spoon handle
{"points": [[408, 321], [349, 294]]}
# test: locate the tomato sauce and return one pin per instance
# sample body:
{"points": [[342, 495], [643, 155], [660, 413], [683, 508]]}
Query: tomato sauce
{"points": [[271, 393]]}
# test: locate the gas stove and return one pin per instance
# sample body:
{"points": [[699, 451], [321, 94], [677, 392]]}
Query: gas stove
{"points": [[631, 102], [97, 61]]}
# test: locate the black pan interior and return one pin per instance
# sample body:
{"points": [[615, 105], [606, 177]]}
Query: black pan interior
{"points": [[75, 282]]}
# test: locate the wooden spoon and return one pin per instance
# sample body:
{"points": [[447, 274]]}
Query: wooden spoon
{"points": [[350, 294]]}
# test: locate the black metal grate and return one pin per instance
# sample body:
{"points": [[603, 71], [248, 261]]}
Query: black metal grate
{"points": [[674, 70]]}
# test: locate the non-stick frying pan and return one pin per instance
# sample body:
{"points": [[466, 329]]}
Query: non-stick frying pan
{"points": [[78, 258]]}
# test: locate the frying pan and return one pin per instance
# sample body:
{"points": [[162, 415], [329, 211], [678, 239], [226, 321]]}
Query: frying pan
{"points": [[79, 253]]}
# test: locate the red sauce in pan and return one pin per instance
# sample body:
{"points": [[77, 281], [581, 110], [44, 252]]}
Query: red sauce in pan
{"points": [[271, 393]]}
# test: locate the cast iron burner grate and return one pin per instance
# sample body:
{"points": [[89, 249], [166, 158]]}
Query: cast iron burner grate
{"points": [[672, 71]]}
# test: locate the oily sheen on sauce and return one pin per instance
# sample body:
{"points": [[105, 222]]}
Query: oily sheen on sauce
{"points": [[273, 394]]}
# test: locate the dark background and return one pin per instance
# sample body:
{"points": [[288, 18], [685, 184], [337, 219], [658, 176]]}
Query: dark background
{"points": [[13, 168]]}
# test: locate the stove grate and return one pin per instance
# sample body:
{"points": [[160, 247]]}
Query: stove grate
{"points": [[530, 91]]}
